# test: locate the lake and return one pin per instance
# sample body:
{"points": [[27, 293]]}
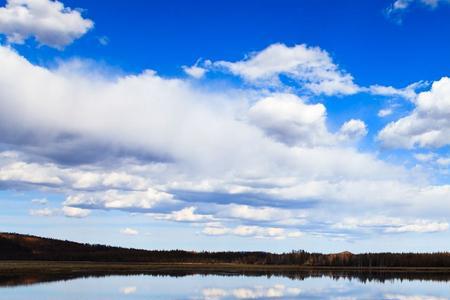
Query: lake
{"points": [[216, 287]]}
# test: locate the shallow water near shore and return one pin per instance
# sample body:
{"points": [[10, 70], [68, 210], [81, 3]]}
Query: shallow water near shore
{"points": [[210, 287]]}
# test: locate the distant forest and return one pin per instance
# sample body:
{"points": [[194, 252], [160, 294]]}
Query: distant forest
{"points": [[25, 247]]}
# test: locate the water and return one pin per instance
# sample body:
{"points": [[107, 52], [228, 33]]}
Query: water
{"points": [[215, 287]]}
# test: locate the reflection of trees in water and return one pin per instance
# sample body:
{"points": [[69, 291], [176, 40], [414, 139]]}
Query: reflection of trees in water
{"points": [[362, 276]]}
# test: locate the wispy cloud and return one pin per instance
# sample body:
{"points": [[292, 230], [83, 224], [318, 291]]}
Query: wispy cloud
{"points": [[129, 231], [398, 7], [41, 201], [312, 67]]}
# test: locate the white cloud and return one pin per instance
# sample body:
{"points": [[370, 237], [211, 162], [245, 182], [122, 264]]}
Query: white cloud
{"points": [[129, 231], [353, 129], [214, 293], [196, 120], [114, 199], [257, 292], [308, 68], [428, 125], [311, 67], [265, 217], [128, 290], [408, 92], [44, 212], [294, 234], [396, 10], [184, 145], [74, 212], [420, 227], [425, 157], [370, 222], [392, 225], [412, 297], [443, 161], [30, 173], [48, 21], [119, 180], [186, 214], [215, 230], [14, 169], [70, 212], [399, 5], [257, 231], [252, 231], [195, 71], [288, 119], [385, 112], [41, 201], [8, 155], [246, 212]]}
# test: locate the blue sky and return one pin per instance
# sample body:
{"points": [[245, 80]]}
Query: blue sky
{"points": [[240, 125]]}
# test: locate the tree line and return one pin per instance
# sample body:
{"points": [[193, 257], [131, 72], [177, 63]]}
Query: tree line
{"points": [[25, 247]]}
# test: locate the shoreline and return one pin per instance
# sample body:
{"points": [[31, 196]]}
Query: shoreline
{"points": [[74, 266]]}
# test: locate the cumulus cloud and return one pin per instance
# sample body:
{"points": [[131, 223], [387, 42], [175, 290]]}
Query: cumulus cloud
{"points": [[186, 214], [30, 173], [48, 21], [153, 99], [196, 146], [353, 129], [95, 180], [428, 125], [252, 231], [311, 67], [119, 199], [190, 154], [74, 212], [261, 215], [215, 230], [246, 212], [288, 119]]}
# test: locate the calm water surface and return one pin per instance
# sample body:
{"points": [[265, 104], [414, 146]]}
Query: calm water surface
{"points": [[227, 287]]}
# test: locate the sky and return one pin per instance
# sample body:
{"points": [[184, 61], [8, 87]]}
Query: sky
{"points": [[227, 125]]}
